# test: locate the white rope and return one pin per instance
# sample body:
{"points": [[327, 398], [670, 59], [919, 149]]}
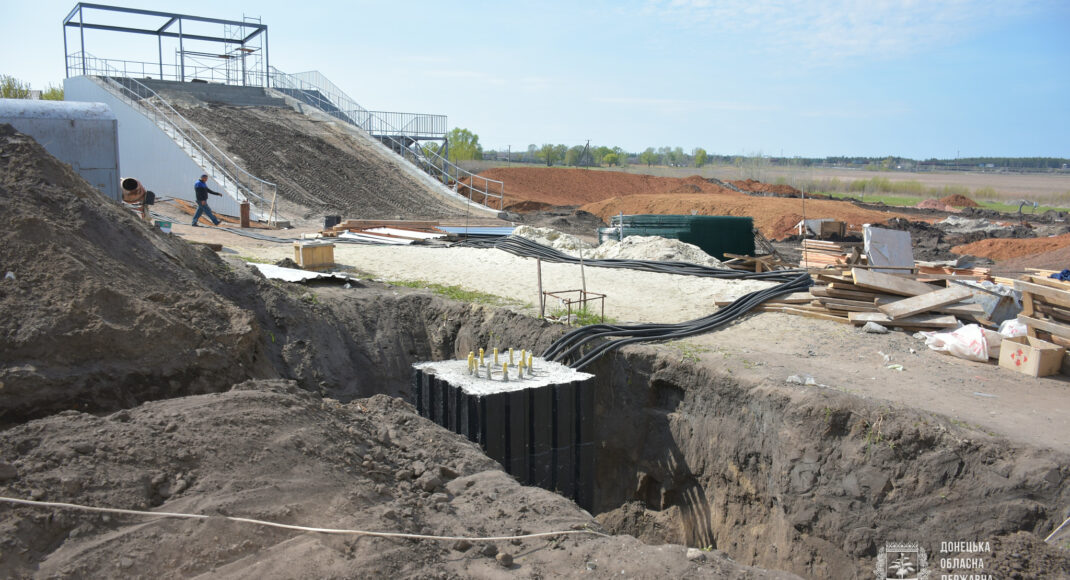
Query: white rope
{"points": [[52, 504], [1057, 529]]}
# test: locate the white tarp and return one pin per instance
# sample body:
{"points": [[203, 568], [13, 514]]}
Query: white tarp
{"points": [[274, 272], [886, 247]]}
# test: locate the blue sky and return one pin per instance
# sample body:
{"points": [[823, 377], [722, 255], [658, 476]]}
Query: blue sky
{"points": [[913, 78]]}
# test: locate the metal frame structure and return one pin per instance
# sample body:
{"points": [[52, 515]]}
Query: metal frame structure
{"points": [[240, 39]]}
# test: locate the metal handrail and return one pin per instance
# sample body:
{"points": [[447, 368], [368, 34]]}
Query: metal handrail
{"points": [[324, 95], [186, 134]]}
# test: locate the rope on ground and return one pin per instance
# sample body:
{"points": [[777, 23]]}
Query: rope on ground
{"points": [[71, 506], [1051, 535]]}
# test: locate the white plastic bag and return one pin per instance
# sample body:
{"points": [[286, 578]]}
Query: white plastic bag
{"points": [[1011, 328], [970, 342]]}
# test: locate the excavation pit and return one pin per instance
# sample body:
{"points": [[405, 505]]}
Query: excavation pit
{"points": [[539, 427]]}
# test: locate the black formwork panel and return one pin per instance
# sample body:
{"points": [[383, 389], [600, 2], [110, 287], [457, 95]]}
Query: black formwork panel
{"points": [[494, 430], [541, 434], [518, 435], [585, 444], [564, 444]]}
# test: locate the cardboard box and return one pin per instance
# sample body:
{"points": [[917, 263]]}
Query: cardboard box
{"points": [[314, 255], [1031, 356]]}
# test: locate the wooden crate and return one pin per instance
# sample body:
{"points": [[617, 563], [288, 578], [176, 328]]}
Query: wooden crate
{"points": [[314, 255]]}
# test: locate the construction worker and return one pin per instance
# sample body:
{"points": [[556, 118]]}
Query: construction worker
{"points": [[200, 189]]}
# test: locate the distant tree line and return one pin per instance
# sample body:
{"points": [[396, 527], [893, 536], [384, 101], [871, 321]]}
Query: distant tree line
{"points": [[594, 156], [13, 88]]}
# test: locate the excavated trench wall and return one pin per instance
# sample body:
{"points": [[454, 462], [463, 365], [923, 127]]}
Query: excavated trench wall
{"points": [[813, 481]]}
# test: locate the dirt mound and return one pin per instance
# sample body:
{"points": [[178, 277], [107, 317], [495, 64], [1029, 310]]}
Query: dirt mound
{"points": [[935, 204], [323, 167], [755, 186], [768, 212], [1006, 249], [1058, 259], [268, 450], [109, 310], [959, 200], [556, 186]]}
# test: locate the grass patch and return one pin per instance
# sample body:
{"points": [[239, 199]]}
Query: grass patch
{"points": [[583, 316], [254, 260], [1013, 207], [458, 293]]}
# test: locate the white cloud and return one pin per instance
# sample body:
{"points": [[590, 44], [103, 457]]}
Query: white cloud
{"points": [[836, 30]]}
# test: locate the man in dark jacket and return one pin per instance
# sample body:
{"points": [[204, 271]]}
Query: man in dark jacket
{"points": [[200, 189]]}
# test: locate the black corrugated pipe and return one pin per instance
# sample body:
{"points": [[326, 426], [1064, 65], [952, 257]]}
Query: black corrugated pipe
{"points": [[570, 345], [528, 249]]}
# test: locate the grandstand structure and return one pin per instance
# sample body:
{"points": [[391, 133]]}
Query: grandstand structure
{"points": [[229, 61]]}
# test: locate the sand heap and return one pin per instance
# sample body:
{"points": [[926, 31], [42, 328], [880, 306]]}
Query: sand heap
{"points": [[652, 248], [552, 238]]}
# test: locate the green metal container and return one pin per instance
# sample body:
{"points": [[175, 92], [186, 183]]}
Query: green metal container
{"points": [[714, 234]]}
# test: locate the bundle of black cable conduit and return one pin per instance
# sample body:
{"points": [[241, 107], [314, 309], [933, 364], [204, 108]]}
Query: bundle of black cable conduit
{"points": [[570, 346]]}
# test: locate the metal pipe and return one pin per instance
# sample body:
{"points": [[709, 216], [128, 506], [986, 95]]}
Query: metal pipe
{"points": [[81, 32]]}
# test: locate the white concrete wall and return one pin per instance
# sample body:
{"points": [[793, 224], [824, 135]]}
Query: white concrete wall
{"points": [[83, 135], [146, 153]]}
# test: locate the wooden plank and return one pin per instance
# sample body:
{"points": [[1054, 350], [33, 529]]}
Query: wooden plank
{"points": [[1052, 295], [817, 315], [889, 284], [850, 307], [1049, 282], [961, 310], [868, 304], [853, 295], [925, 302], [1056, 313], [793, 298], [921, 321], [834, 278], [1052, 327]]}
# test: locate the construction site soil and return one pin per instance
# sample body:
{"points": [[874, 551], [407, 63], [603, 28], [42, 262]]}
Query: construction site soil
{"points": [[142, 372], [321, 166]]}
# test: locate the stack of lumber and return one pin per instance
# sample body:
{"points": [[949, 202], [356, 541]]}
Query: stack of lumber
{"points": [[387, 230], [823, 254], [766, 263], [1045, 308], [891, 300]]}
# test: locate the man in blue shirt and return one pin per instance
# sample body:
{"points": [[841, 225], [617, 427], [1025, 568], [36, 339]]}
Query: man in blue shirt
{"points": [[200, 189]]}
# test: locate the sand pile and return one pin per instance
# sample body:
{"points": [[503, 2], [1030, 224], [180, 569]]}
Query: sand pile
{"points": [[552, 238], [652, 248], [962, 225]]}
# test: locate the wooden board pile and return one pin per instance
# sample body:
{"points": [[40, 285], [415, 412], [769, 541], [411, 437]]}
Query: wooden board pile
{"points": [[387, 231], [1045, 308], [860, 295], [765, 263], [822, 254]]}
